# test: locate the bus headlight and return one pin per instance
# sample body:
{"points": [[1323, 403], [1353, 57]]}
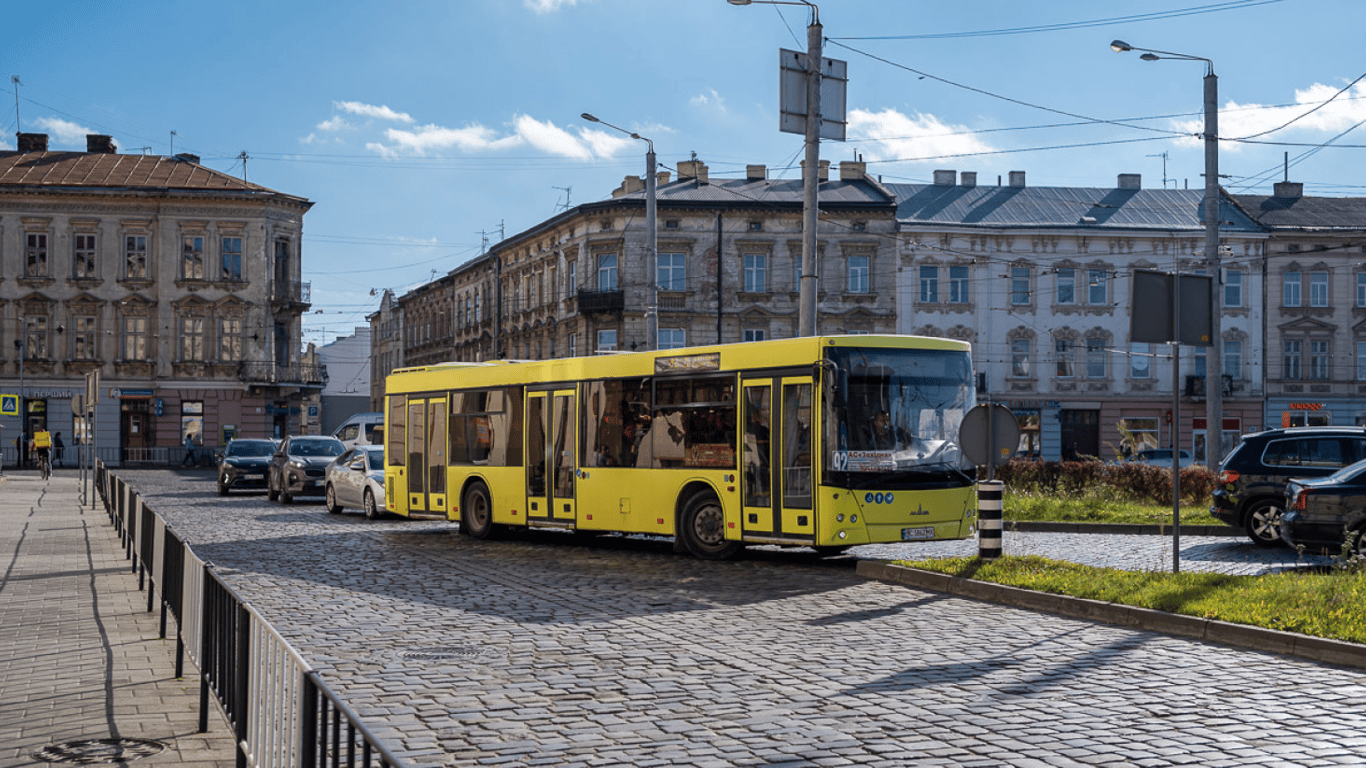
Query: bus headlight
{"points": [[839, 518], [843, 535]]}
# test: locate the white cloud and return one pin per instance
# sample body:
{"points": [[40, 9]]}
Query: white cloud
{"points": [[709, 100], [63, 131], [434, 138], [370, 110], [525, 131], [550, 138], [549, 6], [890, 135], [335, 123], [1239, 120]]}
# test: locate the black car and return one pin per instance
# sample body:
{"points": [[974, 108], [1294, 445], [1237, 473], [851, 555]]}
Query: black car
{"points": [[1320, 512], [1250, 489], [299, 465], [244, 464]]}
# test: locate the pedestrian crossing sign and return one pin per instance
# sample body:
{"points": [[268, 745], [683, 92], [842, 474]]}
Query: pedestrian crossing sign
{"points": [[9, 405]]}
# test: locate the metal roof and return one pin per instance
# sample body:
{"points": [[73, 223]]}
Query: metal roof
{"points": [[765, 191], [1061, 207], [103, 170], [1320, 213]]}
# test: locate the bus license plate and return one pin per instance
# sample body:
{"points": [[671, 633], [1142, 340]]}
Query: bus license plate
{"points": [[913, 534]]}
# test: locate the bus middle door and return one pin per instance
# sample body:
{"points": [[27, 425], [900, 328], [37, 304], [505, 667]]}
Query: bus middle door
{"points": [[777, 466], [551, 466], [426, 465]]}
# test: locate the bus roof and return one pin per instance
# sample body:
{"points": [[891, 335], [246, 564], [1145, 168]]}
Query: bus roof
{"points": [[777, 353]]}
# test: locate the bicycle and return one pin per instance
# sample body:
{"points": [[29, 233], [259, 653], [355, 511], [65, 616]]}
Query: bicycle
{"points": [[45, 465]]}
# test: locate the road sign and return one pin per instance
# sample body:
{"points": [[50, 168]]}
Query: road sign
{"points": [[989, 434], [9, 405]]}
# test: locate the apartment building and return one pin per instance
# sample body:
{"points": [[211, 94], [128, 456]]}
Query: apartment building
{"points": [[178, 284]]}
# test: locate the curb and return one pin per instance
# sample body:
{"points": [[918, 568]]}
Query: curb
{"points": [[1227, 633], [1127, 529]]}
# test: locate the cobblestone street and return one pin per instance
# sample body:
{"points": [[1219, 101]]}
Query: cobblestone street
{"points": [[551, 649]]}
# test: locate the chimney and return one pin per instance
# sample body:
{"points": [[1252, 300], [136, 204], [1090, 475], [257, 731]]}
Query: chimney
{"points": [[628, 185], [661, 178], [945, 178], [823, 172], [968, 178], [1131, 181], [1289, 189], [851, 170], [32, 142], [98, 143], [756, 172], [1017, 178], [693, 169], [186, 157]]}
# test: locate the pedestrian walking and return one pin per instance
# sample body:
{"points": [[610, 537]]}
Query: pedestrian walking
{"points": [[58, 447], [190, 458]]}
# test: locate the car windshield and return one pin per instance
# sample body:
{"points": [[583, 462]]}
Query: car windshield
{"points": [[254, 448], [321, 447]]}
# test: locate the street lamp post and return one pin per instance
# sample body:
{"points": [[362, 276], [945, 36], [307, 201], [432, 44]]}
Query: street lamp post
{"points": [[1214, 362], [806, 304], [652, 228]]}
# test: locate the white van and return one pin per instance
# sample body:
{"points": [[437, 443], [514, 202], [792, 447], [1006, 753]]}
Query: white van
{"points": [[361, 429]]}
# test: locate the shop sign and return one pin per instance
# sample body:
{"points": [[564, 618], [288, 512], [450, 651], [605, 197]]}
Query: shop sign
{"points": [[130, 394], [1306, 406]]}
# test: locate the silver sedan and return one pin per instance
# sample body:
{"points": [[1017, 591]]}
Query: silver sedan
{"points": [[355, 479]]}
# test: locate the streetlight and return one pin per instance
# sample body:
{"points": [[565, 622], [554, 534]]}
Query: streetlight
{"points": [[806, 315], [1214, 362], [652, 226]]}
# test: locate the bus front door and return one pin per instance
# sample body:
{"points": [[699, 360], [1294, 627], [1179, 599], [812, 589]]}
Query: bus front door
{"points": [[551, 466], [427, 440], [776, 459]]}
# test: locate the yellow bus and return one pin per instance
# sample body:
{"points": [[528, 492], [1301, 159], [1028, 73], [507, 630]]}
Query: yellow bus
{"points": [[824, 442]]}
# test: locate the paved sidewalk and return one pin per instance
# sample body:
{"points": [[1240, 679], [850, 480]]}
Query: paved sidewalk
{"points": [[83, 673]]}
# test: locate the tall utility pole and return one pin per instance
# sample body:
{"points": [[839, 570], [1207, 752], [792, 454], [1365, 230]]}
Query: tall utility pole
{"points": [[806, 313]]}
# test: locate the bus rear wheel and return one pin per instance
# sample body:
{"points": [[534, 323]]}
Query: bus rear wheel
{"points": [[702, 526], [476, 512]]}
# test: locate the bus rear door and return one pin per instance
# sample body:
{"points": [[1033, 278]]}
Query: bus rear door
{"points": [[551, 466]]}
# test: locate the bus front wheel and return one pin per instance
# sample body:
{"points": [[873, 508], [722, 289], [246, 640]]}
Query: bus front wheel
{"points": [[476, 512], [703, 529]]}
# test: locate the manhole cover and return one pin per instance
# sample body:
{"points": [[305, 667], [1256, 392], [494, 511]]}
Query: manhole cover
{"points": [[444, 652], [89, 751]]}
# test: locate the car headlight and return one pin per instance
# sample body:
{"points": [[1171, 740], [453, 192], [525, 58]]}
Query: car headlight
{"points": [[297, 464]]}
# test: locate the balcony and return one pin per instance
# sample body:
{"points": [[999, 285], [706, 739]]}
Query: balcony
{"points": [[1195, 386], [297, 374], [291, 293], [601, 301]]}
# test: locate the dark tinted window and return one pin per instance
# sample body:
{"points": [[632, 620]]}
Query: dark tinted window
{"points": [[1323, 452]]}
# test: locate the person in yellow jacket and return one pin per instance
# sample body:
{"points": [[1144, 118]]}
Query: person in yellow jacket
{"points": [[42, 445]]}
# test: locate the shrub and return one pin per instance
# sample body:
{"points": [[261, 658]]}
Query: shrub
{"points": [[1136, 482]]}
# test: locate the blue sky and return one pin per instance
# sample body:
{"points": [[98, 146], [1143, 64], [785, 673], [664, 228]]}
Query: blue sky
{"points": [[421, 128]]}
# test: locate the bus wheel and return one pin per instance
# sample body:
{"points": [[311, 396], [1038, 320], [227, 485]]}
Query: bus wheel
{"points": [[703, 529], [476, 512], [830, 551]]}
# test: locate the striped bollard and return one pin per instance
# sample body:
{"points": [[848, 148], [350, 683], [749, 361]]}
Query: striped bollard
{"points": [[989, 493]]}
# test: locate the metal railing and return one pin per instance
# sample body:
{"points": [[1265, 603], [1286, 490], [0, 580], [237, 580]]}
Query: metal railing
{"points": [[281, 712], [292, 291], [269, 372]]}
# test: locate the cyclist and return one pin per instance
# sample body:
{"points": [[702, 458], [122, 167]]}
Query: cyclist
{"points": [[42, 445]]}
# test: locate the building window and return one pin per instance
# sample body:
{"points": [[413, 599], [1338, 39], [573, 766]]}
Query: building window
{"points": [[1095, 358], [1361, 361], [573, 345], [1144, 430], [192, 339], [135, 257], [858, 274], [1318, 289], [756, 272], [83, 257], [929, 285], [1290, 367], [959, 289], [607, 272], [1290, 289], [755, 334], [671, 338], [607, 341], [1019, 357], [1233, 359], [1361, 289], [192, 420], [135, 338], [229, 339], [1140, 360], [35, 255], [1019, 286], [1319, 359], [232, 259], [1065, 352], [35, 337], [571, 274], [1098, 288], [1233, 288], [1067, 286], [671, 272], [84, 338], [192, 258]]}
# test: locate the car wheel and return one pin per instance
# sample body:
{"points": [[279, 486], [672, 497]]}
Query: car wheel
{"points": [[331, 500], [1358, 543], [271, 493], [372, 511], [476, 512], [1263, 523], [703, 529], [222, 488]]}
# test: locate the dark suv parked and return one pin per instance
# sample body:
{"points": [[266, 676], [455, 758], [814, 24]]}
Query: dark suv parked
{"points": [[1250, 489]]}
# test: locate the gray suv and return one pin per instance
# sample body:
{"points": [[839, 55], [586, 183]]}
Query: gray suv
{"points": [[1249, 490], [299, 465]]}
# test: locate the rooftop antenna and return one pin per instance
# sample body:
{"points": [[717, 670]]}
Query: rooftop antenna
{"points": [[243, 158], [15, 79], [1164, 167], [567, 191], [172, 143], [484, 246]]}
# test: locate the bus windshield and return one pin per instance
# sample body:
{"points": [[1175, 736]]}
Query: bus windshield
{"points": [[896, 412]]}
